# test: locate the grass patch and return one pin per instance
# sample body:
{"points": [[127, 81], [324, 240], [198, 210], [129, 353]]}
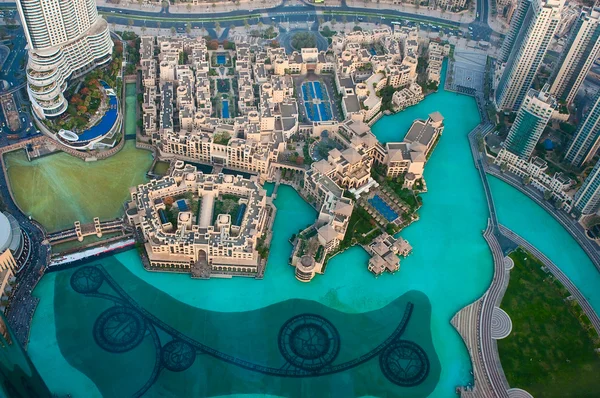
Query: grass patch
{"points": [[549, 352]]}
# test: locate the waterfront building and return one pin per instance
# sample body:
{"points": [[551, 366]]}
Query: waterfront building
{"points": [[587, 198], [531, 120], [205, 237], [385, 251], [534, 171], [408, 158], [528, 50], [436, 53], [586, 140], [408, 96], [313, 245], [580, 52], [66, 39]]}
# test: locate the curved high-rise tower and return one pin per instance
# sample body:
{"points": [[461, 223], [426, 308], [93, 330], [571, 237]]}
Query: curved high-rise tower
{"points": [[66, 39]]}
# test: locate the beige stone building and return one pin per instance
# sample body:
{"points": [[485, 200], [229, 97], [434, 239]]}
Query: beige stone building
{"points": [[207, 244]]}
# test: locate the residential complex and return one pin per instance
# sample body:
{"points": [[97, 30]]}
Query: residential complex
{"points": [[586, 140], [526, 54], [531, 120], [195, 109], [581, 50], [535, 171], [202, 235], [65, 39]]}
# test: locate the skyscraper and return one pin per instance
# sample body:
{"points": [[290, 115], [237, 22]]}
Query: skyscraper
{"points": [[66, 39], [528, 51], [531, 120], [585, 142], [588, 197], [515, 27], [581, 50]]}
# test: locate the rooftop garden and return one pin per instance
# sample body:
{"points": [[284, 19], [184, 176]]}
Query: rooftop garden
{"points": [[86, 97], [226, 204], [221, 138], [551, 349]]}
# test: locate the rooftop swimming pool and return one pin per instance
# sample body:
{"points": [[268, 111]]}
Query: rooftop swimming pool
{"points": [[221, 59]]}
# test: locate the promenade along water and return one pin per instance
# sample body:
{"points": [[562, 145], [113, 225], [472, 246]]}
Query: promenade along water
{"points": [[451, 265], [59, 189]]}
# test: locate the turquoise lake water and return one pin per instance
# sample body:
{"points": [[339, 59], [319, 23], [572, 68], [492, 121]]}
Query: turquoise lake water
{"points": [[451, 264]]}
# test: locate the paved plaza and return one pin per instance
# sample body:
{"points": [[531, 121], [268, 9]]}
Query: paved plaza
{"points": [[469, 69]]}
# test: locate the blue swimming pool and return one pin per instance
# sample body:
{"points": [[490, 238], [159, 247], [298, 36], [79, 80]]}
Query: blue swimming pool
{"points": [[225, 111], [383, 208], [105, 124], [221, 60], [311, 87], [325, 111], [182, 205], [317, 90], [304, 93]]}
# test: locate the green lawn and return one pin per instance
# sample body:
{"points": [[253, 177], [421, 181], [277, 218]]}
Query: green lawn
{"points": [[548, 352]]}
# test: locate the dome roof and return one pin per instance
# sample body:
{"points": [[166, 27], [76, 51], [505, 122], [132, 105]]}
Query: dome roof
{"points": [[5, 233]]}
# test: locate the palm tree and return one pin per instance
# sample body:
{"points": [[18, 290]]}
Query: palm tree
{"points": [[217, 26], [129, 23], [158, 26], [165, 4], [189, 7], [246, 24], [140, 3], [321, 20], [344, 20], [173, 30], [232, 26], [143, 29], [188, 28], [260, 25], [333, 22], [113, 26]]}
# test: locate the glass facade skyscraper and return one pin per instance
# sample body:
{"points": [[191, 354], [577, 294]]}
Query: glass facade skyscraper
{"points": [[588, 197], [581, 50], [586, 140], [530, 46], [531, 120]]}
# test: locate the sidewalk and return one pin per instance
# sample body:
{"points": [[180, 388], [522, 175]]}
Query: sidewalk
{"points": [[466, 16], [218, 7]]}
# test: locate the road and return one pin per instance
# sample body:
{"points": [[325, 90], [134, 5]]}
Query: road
{"points": [[21, 305]]}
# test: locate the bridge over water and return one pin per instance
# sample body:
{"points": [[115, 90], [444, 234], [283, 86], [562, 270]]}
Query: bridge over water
{"points": [[80, 231]]}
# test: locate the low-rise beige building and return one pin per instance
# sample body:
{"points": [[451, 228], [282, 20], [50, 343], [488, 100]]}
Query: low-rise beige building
{"points": [[213, 244]]}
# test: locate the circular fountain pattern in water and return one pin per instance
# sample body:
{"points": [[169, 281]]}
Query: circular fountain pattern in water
{"points": [[86, 280], [177, 355], [119, 329], [404, 363], [309, 342]]}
